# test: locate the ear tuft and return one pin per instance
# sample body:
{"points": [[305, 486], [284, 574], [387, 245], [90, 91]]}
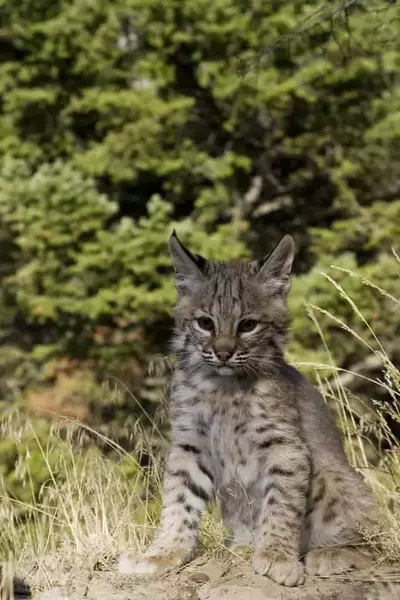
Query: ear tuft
{"points": [[275, 272], [187, 266]]}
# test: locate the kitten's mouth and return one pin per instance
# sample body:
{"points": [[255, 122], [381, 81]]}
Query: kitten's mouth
{"points": [[225, 370]]}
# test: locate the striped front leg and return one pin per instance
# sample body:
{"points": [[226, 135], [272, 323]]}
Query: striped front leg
{"points": [[188, 486], [284, 482]]}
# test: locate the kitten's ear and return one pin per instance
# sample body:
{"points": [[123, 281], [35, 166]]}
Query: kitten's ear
{"points": [[187, 266], [275, 272]]}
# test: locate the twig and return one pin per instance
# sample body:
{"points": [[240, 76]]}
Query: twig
{"points": [[351, 379]]}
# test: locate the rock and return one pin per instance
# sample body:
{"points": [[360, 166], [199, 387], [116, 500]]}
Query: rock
{"points": [[199, 577], [187, 593]]}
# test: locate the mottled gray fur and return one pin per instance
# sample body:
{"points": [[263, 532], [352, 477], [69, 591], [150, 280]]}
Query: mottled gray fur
{"points": [[248, 429]]}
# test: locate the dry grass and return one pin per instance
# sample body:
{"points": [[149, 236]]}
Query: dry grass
{"points": [[92, 507], [360, 421]]}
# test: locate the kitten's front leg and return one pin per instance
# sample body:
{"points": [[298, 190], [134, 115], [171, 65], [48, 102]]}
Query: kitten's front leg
{"points": [[188, 486], [285, 482]]}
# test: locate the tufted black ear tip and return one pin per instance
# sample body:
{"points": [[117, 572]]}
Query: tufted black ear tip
{"points": [[275, 272], [175, 244]]}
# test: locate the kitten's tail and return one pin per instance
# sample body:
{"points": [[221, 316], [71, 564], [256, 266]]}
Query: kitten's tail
{"points": [[374, 585], [385, 590]]}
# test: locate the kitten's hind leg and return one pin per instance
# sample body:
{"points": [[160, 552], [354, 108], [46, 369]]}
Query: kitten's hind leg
{"points": [[335, 543], [323, 562]]}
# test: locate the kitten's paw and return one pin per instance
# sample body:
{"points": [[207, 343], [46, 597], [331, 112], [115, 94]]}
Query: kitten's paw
{"points": [[152, 563], [281, 568], [333, 561]]}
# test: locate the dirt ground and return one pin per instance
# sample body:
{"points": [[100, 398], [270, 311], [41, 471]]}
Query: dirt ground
{"points": [[210, 579]]}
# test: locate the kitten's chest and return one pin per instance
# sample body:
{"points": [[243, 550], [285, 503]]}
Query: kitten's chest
{"points": [[231, 443]]}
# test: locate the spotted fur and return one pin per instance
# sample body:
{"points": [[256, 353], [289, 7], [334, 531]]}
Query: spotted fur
{"points": [[248, 429]]}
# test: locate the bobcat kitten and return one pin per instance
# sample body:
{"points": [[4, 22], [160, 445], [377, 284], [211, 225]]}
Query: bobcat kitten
{"points": [[248, 429]]}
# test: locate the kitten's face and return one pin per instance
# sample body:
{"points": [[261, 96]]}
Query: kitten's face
{"points": [[231, 318]]}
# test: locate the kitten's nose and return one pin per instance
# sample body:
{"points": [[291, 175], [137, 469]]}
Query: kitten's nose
{"points": [[224, 347], [224, 355]]}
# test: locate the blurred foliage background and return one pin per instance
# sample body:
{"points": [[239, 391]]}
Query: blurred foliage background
{"points": [[234, 121]]}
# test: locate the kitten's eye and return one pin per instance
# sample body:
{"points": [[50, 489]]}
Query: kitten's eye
{"points": [[205, 323], [247, 325]]}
